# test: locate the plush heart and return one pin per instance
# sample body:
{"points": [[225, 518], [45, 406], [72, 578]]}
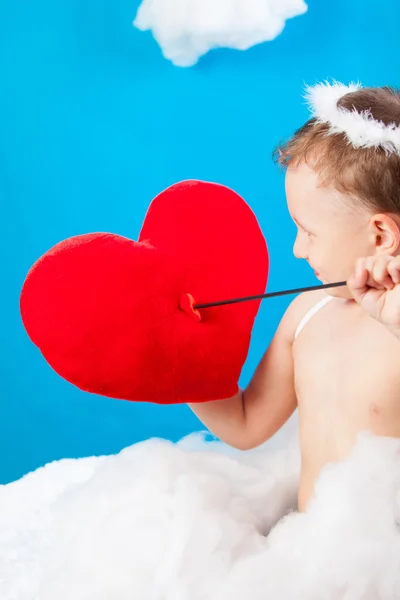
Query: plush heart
{"points": [[116, 317]]}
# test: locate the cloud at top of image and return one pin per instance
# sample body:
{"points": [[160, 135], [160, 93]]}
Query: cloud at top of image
{"points": [[187, 29]]}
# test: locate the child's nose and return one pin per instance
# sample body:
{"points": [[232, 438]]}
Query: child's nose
{"points": [[299, 248]]}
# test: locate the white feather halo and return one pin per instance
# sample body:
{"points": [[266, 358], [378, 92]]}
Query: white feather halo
{"points": [[360, 128]]}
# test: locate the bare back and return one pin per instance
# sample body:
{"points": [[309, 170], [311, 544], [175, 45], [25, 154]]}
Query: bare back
{"points": [[347, 380]]}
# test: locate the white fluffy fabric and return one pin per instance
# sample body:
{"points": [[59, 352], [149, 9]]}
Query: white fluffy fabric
{"points": [[195, 521], [187, 29], [360, 128]]}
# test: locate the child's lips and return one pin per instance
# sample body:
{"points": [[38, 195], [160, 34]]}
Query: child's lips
{"points": [[318, 276]]}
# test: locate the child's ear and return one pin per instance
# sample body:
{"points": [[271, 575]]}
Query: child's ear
{"points": [[386, 233]]}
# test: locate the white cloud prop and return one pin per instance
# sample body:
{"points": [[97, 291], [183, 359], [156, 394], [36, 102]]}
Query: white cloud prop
{"points": [[187, 29], [190, 522]]}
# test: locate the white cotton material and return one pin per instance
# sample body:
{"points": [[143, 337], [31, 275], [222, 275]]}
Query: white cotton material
{"points": [[199, 521], [187, 29], [360, 128]]}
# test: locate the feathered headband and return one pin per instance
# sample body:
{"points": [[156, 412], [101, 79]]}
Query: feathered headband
{"points": [[360, 128]]}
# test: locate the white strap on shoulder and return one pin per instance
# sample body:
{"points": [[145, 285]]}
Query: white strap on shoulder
{"points": [[311, 313]]}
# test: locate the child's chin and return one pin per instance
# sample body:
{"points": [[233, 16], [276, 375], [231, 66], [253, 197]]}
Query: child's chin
{"points": [[336, 292]]}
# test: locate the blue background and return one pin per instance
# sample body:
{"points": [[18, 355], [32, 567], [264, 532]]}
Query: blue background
{"points": [[94, 122]]}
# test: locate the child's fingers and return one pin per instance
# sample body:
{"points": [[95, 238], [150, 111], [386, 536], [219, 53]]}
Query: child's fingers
{"points": [[357, 283], [360, 276], [379, 275], [394, 269]]}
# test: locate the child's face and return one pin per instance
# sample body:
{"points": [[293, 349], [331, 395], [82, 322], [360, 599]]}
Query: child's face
{"points": [[332, 232]]}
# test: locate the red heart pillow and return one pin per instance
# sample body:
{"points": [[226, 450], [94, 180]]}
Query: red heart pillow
{"points": [[115, 317]]}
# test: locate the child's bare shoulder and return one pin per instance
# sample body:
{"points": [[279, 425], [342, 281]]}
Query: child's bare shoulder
{"points": [[298, 308]]}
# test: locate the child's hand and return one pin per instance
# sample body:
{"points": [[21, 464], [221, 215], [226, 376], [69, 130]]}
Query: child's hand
{"points": [[375, 285]]}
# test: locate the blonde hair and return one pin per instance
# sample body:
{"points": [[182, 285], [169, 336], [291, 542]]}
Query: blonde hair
{"points": [[370, 175]]}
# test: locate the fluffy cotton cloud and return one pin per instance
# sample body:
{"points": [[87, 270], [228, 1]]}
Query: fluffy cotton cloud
{"points": [[187, 29], [196, 521]]}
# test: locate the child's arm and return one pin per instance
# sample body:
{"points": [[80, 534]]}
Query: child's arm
{"points": [[252, 416]]}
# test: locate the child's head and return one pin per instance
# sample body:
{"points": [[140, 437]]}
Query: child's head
{"points": [[343, 182]]}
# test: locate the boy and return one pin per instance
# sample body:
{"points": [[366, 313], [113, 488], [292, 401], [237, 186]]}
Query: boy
{"points": [[334, 357]]}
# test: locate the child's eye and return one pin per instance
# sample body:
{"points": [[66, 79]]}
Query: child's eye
{"points": [[305, 231], [308, 234]]}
